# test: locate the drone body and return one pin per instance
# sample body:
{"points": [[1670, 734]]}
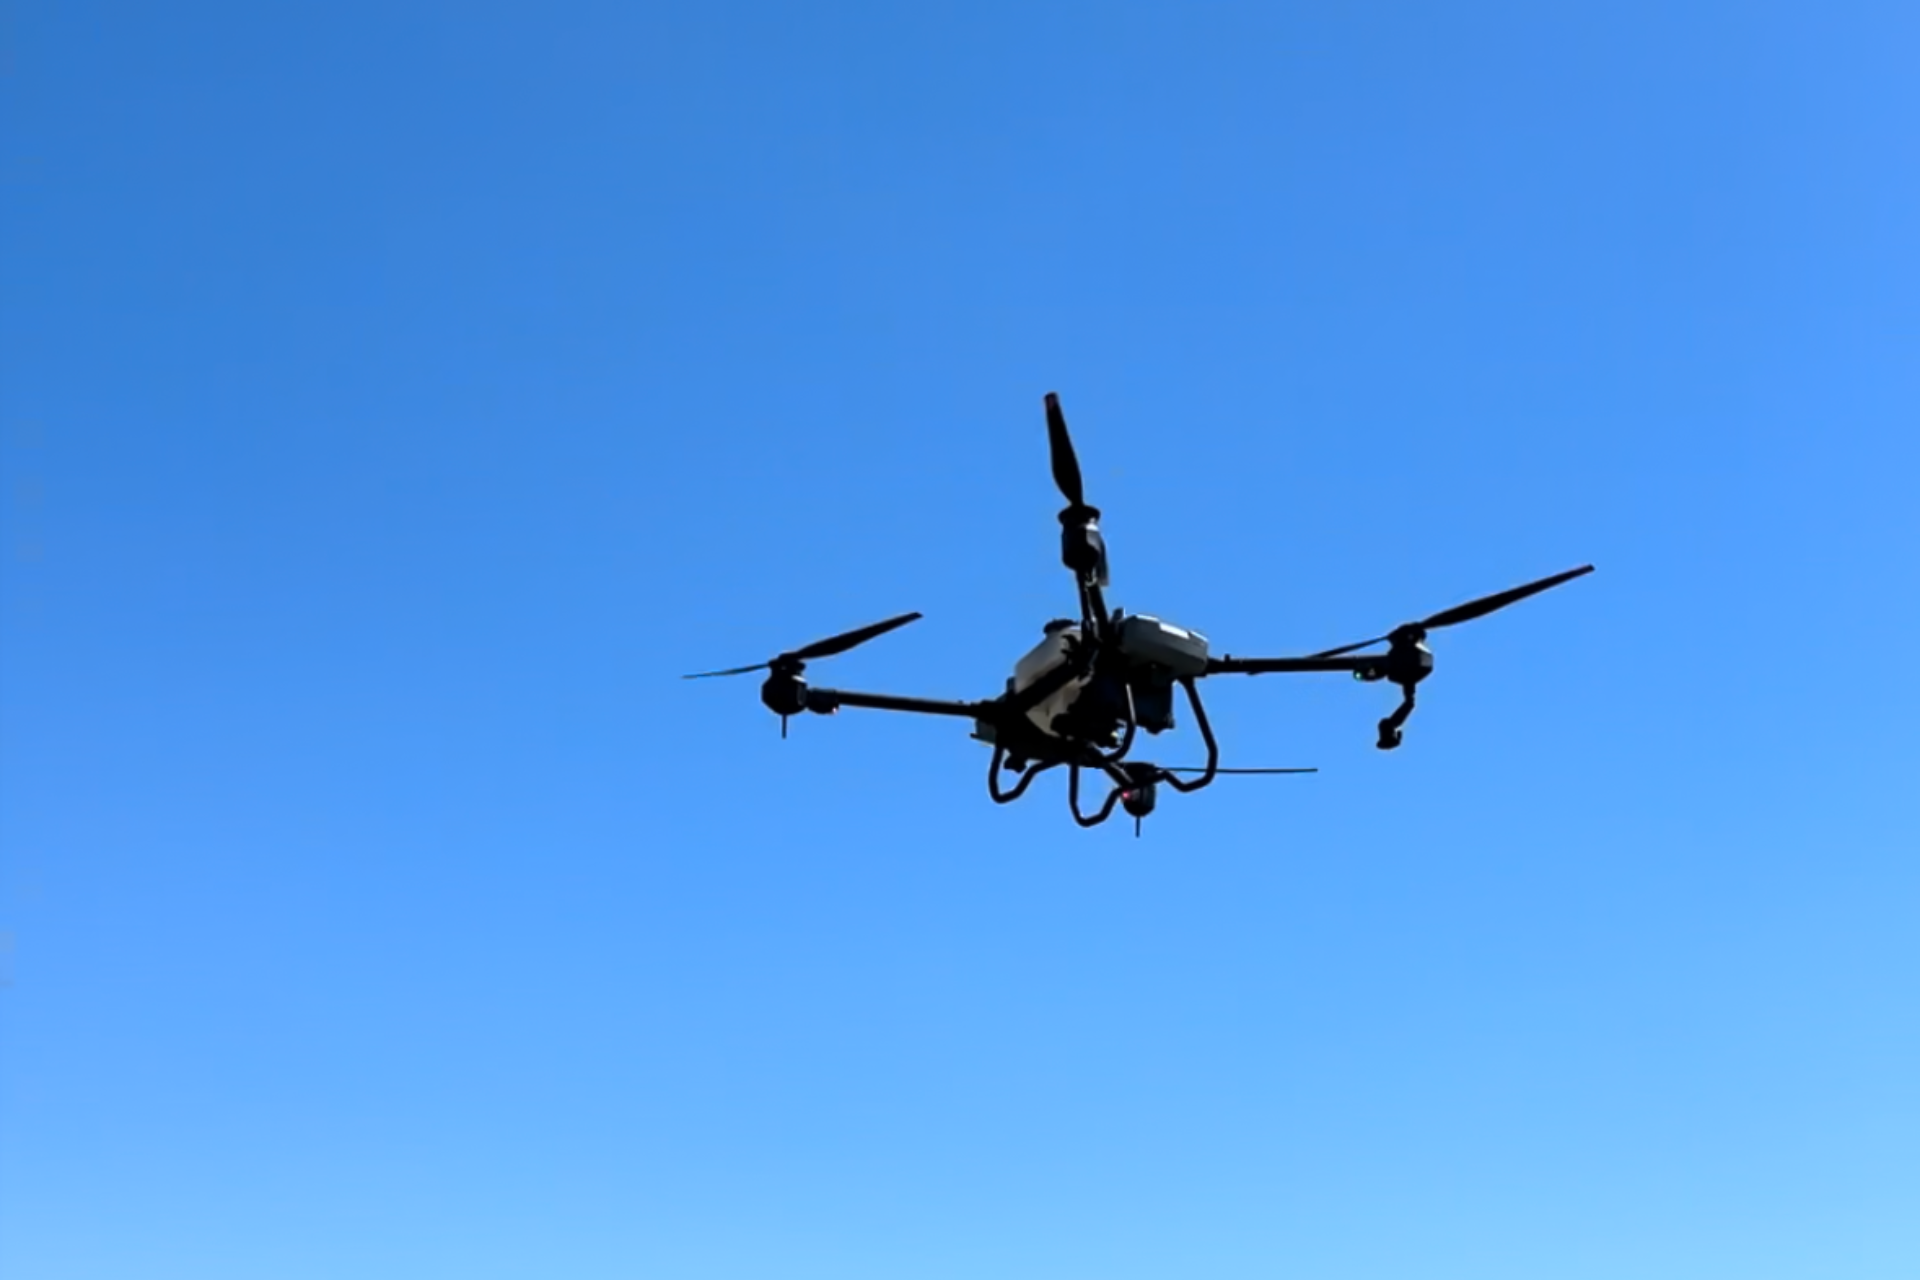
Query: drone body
{"points": [[1081, 697]]}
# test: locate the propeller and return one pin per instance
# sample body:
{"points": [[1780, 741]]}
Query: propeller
{"points": [[1066, 467], [1463, 612], [1082, 549], [1189, 769], [818, 649]]}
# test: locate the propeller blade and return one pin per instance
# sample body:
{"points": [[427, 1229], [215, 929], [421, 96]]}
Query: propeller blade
{"points": [[1066, 467], [1487, 604], [1349, 648], [1188, 769], [818, 649], [847, 640], [1468, 612], [730, 671]]}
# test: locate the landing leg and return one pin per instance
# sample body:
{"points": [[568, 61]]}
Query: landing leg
{"points": [[1390, 727], [1020, 788]]}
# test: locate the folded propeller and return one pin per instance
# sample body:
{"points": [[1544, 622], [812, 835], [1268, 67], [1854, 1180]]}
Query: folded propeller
{"points": [[1066, 466], [1082, 549]]}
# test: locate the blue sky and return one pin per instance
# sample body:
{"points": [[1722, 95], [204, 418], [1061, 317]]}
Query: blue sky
{"points": [[398, 398]]}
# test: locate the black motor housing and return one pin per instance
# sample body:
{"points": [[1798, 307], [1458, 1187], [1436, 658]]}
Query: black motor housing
{"points": [[784, 693], [1082, 548]]}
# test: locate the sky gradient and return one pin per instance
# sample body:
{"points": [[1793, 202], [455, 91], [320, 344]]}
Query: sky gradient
{"points": [[397, 399]]}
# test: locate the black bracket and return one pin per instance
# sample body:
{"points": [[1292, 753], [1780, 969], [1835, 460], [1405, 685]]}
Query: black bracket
{"points": [[1019, 788], [1126, 778]]}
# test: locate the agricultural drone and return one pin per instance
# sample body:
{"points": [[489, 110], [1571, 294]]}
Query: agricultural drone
{"points": [[1082, 696]]}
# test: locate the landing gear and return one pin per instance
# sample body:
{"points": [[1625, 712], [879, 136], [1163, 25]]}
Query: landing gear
{"points": [[1135, 782], [1390, 727]]}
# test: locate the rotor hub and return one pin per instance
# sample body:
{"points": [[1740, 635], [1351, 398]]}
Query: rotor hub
{"points": [[1409, 661], [1082, 547]]}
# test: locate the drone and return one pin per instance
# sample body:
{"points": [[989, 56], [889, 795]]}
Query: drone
{"points": [[1080, 699]]}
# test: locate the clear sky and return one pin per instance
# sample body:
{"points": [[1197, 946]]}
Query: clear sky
{"points": [[399, 397]]}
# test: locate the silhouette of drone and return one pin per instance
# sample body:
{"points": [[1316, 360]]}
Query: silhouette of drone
{"points": [[1080, 698]]}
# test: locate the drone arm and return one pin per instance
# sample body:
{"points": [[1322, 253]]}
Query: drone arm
{"points": [[1093, 606], [827, 701], [1405, 668], [1228, 665]]}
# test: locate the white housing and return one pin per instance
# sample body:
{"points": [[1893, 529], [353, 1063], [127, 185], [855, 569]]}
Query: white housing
{"points": [[1147, 639], [1041, 659]]}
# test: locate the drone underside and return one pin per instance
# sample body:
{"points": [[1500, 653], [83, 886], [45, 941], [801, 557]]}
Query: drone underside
{"points": [[1081, 698]]}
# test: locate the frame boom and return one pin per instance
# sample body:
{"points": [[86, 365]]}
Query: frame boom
{"points": [[827, 701], [1227, 665]]}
